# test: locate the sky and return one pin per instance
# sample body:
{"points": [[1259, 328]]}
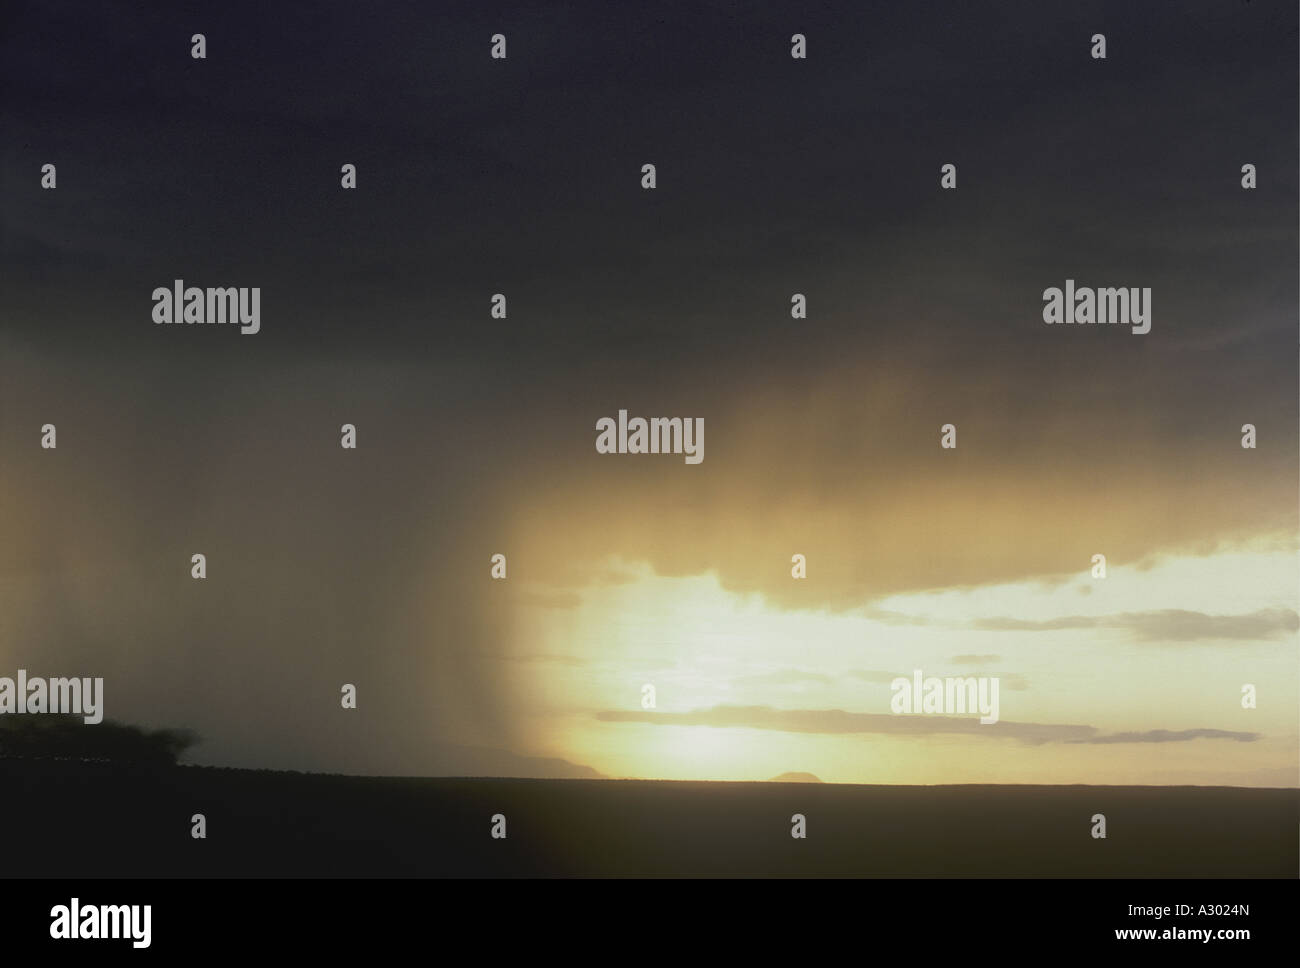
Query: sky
{"points": [[476, 436]]}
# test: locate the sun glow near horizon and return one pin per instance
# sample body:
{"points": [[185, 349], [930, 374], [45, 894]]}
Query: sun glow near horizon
{"points": [[1088, 652]]}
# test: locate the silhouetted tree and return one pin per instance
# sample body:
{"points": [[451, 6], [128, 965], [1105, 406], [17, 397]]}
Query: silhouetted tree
{"points": [[51, 737]]}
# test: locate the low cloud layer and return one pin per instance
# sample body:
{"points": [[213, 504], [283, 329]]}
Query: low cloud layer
{"points": [[1166, 625], [838, 721]]}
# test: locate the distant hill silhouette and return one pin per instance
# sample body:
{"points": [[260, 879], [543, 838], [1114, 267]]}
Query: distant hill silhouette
{"points": [[796, 778], [59, 737]]}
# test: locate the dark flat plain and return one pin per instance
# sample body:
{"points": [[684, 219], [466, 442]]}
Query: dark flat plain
{"points": [[63, 819]]}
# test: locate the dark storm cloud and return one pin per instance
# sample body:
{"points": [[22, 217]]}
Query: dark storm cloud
{"points": [[521, 176]]}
